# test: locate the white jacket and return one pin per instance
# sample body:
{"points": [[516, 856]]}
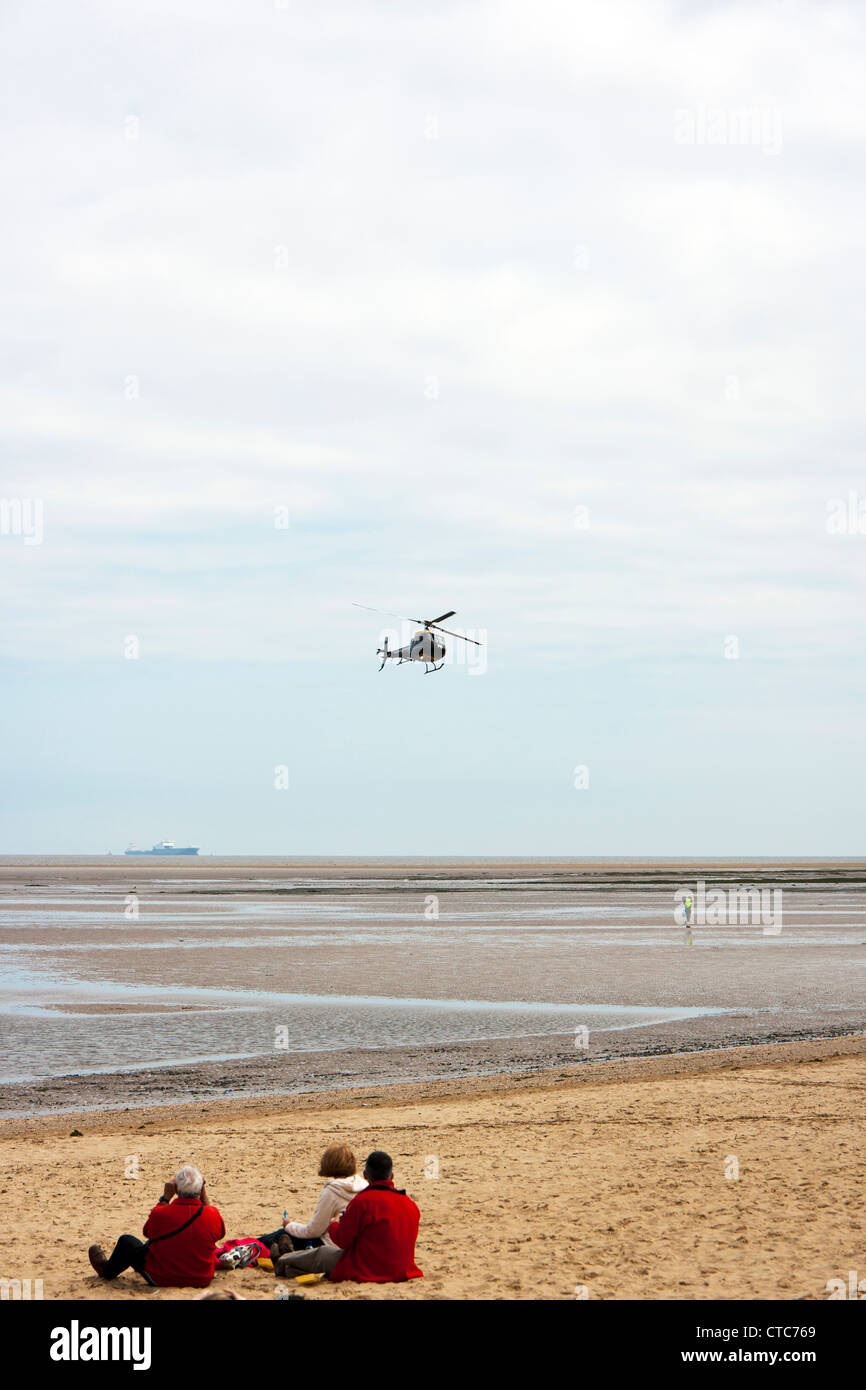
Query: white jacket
{"points": [[333, 1200]]}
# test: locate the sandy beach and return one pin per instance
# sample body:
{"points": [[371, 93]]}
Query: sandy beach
{"points": [[611, 1182], [583, 1102]]}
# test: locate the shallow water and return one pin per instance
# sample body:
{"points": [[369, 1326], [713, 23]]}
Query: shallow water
{"points": [[215, 966], [38, 1041]]}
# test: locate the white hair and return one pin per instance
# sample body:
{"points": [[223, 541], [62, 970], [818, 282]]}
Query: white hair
{"points": [[189, 1181]]}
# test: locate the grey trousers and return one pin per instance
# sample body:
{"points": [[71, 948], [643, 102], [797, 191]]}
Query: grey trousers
{"points": [[318, 1261]]}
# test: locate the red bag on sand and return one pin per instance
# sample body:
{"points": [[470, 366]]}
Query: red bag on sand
{"points": [[240, 1254]]}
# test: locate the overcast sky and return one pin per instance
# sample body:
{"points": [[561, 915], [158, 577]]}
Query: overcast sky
{"points": [[549, 313]]}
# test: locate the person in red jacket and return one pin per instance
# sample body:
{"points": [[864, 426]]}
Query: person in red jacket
{"points": [[182, 1237], [374, 1239]]}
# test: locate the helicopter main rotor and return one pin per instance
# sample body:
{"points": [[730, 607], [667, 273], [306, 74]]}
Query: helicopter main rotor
{"points": [[426, 623]]}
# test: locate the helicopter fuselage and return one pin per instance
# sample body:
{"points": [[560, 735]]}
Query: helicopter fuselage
{"points": [[425, 646]]}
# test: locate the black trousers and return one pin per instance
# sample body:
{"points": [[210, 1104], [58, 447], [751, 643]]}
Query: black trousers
{"points": [[128, 1253], [298, 1244]]}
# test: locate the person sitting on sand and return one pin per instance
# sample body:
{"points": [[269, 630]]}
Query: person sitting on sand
{"points": [[374, 1240], [182, 1236], [339, 1166]]}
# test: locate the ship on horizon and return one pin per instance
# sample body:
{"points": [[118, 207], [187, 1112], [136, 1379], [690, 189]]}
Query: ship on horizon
{"points": [[164, 847]]}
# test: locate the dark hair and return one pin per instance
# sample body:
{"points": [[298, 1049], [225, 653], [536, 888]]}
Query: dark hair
{"points": [[378, 1166]]}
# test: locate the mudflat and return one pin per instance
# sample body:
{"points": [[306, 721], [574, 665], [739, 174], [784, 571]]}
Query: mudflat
{"points": [[130, 982]]}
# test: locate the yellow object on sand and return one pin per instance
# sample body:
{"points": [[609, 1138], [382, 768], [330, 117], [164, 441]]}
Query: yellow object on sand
{"points": [[265, 1263]]}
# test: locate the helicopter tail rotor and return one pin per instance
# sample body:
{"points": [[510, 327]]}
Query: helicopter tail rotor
{"points": [[384, 653]]}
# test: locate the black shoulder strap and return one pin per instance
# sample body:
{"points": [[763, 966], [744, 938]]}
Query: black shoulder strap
{"points": [[177, 1230]]}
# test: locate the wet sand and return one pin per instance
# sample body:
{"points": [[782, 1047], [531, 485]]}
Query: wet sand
{"points": [[587, 935], [727, 1174], [715, 1153]]}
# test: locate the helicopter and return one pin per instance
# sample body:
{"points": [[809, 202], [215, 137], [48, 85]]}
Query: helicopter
{"points": [[425, 645]]}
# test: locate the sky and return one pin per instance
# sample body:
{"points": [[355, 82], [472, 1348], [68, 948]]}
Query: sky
{"points": [[550, 314]]}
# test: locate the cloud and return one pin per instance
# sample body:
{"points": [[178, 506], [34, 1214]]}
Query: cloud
{"points": [[430, 281]]}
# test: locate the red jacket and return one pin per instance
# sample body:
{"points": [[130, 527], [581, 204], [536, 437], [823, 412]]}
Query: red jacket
{"points": [[377, 1233], [186, 1260]]}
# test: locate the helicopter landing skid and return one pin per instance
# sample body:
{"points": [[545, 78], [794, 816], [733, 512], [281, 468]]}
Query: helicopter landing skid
{"points": [[428, 670]]}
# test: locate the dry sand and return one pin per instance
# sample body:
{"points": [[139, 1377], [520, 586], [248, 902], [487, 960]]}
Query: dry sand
{"points": [[612, 1178]]}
